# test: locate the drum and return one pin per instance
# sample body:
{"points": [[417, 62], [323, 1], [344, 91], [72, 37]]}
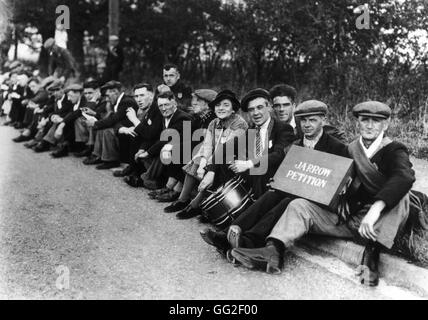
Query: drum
{"points": [[227, 202]]}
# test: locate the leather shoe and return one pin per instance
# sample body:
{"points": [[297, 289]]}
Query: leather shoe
{"points": [[92, 160], [108, 165], [31, 144], [368, 271], [267, 258], [176, 206], [188, 213], [215, 239], [133, 181], [155, 193], [21, 138], [18, 125], [42, 146], [168, 197], [61, 152], [84, 153], [151, 185], [203, 219], [123, 173]]}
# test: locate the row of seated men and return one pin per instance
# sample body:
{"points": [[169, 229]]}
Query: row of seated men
{"points": [[181, 155]]}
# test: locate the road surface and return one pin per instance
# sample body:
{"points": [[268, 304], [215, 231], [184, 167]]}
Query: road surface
{"points": [[59, 218]]}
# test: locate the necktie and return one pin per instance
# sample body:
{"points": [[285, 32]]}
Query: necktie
{"points": [[258, 143]]}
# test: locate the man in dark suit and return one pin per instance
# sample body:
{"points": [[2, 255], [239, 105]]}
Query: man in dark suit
{"points": [[378, 201], [97, 108], [65, 132], [250, 229], [61, 134], [146, 130], [107, 145], [114, 61], [172, 81], [53, 113], [33, 110], [168, 151]]}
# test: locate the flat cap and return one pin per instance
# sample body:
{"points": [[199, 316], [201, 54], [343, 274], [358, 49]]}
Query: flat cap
{"points": [[55, 85], [223, 95], [113, 84], [254, 94], [91, 83], [372, 109], [74, 87], [311, 108], [205, 94], [49, 43]]}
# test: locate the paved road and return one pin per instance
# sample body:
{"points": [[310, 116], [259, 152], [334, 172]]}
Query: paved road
{"points": [[116, 243]]}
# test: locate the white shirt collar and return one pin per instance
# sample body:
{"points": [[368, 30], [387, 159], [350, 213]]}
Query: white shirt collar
{"points": [[370, 151], [293, 123], [59, 102], [76, 106], [118, 101], [313, 142], [168, 120]]}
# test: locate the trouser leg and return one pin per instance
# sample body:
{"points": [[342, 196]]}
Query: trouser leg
{"points": [[388, 225], [91, 136], [302, 217], [50, 136], [253, 214], [81, 131], [28, 117], [110, 146], [189, 184], [98, 145], [258, 233]]}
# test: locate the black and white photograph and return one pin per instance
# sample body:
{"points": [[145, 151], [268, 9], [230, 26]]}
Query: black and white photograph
{"points": [[209, 156]]}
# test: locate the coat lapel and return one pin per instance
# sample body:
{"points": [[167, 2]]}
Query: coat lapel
{"points": [[322, 144]]}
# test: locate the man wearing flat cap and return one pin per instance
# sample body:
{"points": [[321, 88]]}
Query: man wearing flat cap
{"points": [[202, 117], [34, 107], [378, 200], [108, 148], [76, 134], [61, 133], [55, 111], [284, 104], [253, 225], [56, 93]]}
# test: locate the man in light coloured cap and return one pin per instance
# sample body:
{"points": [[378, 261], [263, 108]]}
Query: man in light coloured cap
{"points": [[61, 61], [378, 200], [114, 61], [253, 225]]}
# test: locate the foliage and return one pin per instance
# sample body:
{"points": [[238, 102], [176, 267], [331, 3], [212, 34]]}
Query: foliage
{"points": [[313, 45]]}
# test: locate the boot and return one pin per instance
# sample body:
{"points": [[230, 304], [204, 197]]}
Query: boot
{"points": [[368, 270], [268, 258]]}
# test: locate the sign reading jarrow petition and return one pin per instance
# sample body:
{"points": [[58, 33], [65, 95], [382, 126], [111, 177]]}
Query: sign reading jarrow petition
{"points": [[313, 175]]}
